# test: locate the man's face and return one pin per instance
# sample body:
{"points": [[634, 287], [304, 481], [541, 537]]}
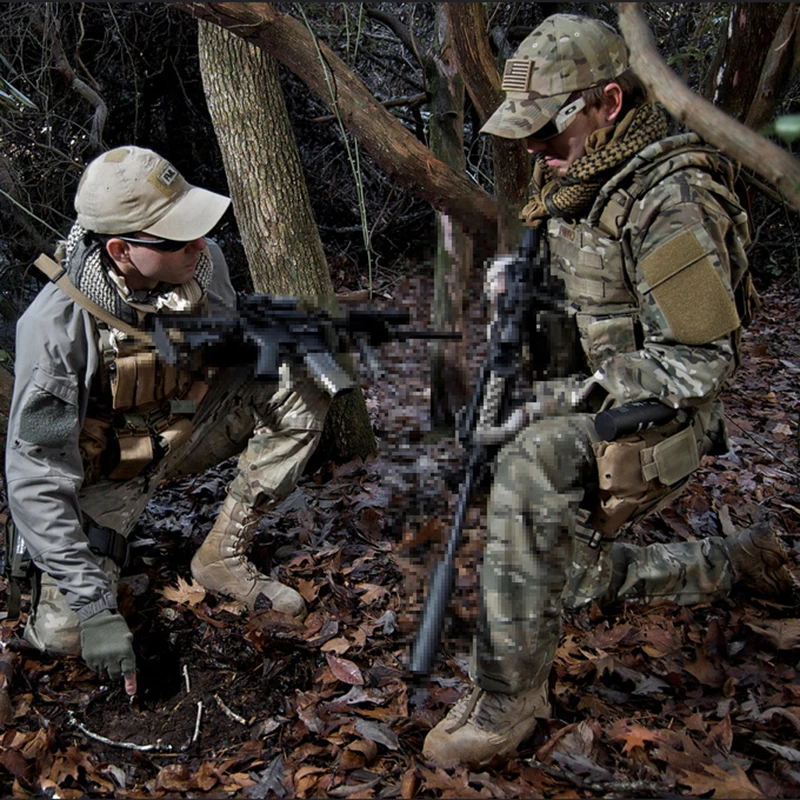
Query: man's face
{"points": [[145, 266], [561, 150]]}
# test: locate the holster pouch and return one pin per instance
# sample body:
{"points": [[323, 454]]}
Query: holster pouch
{"points": [[640, 473]]}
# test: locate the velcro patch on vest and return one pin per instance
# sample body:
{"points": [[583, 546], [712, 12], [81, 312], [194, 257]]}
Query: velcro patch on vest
{"points": [[689, 291]]}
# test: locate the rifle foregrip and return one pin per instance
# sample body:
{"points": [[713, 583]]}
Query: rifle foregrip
{"points": [[440, 591]]}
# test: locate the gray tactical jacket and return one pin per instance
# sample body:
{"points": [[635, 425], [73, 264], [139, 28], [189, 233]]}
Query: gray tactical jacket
{"points": [[57, 358]]}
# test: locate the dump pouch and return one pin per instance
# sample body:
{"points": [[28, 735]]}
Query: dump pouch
{"points": [[640, 473]]}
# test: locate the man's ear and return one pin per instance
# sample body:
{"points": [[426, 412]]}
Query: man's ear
{"points": [[118, 250], [613, 100]]}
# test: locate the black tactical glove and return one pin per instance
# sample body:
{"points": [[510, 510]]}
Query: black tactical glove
{"points": [[107, 644]]}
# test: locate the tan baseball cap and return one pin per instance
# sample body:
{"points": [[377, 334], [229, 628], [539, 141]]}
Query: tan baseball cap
{"points": [[132, 189], [565, 54]]}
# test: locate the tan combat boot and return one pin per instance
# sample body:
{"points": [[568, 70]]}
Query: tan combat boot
{"points": [[483, 724], [760, 561], [221, 564]]}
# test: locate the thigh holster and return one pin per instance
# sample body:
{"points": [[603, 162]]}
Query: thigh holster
{"points": [[641, 473]]}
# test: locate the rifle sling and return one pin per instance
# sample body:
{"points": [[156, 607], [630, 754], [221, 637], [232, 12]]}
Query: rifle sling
{"points": [[58, 275]]}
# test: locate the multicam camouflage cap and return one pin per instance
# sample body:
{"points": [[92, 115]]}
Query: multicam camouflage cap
{"points": [[565, 54]]}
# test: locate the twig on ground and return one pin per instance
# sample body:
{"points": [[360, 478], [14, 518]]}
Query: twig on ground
{"points": [[764, 448], [197, 721], [228, 713], [186, 678], [144, 748]]}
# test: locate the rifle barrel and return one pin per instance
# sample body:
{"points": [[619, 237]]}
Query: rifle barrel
{"points": [[440, 589]]}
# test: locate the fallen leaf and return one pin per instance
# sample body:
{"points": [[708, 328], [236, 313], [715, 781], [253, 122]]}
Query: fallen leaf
{"points": [[308, 589], [782, 633], [705, 671], [378, 732], [270, 780], [722, 734], [186, 593], [174, 778], [366, 747], [408, 784], [789, 753], [345, 670], [636, 736], [372, 592], [338, 646], [734, 785]]}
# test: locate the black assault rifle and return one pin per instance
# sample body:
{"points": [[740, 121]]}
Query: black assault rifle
{"points": [[269, 331], [526, 292]]}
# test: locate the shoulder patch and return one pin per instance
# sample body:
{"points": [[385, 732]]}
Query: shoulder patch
{"points": [[689, 291]]}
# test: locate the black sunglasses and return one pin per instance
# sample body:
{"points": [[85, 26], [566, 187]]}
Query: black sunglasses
{"points": [[164, 245]]}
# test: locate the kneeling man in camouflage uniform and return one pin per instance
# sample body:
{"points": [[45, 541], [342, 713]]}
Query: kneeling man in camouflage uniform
{"points": [[647, 235], [98, 419]]}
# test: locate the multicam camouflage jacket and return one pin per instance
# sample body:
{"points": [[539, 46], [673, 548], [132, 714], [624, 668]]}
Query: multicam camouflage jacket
{"points": [[656, 275]]}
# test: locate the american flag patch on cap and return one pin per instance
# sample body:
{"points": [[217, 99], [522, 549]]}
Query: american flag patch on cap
{"points": [[516, 74]]}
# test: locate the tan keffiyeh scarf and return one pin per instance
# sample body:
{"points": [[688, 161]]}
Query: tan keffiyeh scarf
{"points": [[607, 149]]}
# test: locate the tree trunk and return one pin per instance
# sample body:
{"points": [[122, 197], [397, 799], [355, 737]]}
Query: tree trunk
{"points": [[270, 199], [394, 148], [453, 262], [751, 69], [512, 164], [263, 166]]}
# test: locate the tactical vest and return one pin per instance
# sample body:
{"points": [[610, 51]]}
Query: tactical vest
{"points": [[140, 408], [642, 472], [593, 256]]}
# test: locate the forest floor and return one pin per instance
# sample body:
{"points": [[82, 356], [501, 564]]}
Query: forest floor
{"points": [[650, 701]]}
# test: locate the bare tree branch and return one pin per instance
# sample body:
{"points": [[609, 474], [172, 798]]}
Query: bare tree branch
{"points": [[64, 68], [773, 163], [409, 102], [400, 30]]}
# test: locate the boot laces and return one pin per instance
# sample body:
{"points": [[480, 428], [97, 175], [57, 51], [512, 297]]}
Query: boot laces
{"points": [[481, 708]]}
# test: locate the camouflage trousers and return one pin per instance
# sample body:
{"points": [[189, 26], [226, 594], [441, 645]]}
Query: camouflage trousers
{"points": [[538, 559], [276, 430]]}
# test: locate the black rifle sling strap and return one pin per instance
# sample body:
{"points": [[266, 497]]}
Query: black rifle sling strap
{"points": [[58, 275]]}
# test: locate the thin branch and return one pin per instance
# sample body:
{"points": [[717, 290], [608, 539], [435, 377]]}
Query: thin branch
{"points": [[400, 30], [142, 748], [776, 63], [228, 712], [64, 68], [196, 724]]}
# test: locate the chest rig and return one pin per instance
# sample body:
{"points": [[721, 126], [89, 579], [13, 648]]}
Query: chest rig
{"points": [[139, 408], [594, 256]]}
